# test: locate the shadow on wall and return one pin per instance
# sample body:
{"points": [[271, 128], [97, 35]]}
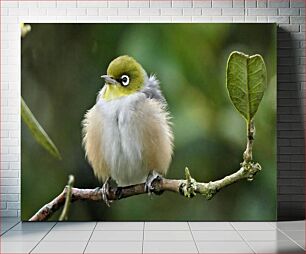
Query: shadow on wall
{"points": [[290, 130]]}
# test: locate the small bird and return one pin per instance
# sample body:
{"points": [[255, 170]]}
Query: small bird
{"points": [[127, 134]]}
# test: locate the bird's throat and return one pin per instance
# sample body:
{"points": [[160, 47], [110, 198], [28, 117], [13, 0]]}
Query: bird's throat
{"points": [[115, 91]]}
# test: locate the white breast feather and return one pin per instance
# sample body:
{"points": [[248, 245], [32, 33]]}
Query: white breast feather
{"points": [[124, 121]]}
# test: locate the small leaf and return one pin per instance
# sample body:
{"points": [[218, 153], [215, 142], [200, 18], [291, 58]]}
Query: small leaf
{"points": [[37, 131], [246, 82]]}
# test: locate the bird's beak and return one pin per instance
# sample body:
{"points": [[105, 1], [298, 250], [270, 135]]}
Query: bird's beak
{"points": [[109, 80]]}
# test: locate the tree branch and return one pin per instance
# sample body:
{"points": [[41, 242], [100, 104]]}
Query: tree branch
{"points": [[188, 187]]}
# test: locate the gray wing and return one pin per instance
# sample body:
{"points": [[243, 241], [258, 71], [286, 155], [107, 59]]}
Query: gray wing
{"points": [[152, 90]]}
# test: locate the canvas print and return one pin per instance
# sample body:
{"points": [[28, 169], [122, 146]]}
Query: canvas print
{"points": [[148, 122]]}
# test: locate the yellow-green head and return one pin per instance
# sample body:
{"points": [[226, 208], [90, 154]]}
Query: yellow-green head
{"points": [[125, 76]]}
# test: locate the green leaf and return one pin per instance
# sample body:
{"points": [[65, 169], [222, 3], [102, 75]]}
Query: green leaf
{"points": [[37, 131], [246, 82]]}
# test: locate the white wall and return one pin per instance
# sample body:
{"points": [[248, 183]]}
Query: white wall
{"points": [[289, 14]]}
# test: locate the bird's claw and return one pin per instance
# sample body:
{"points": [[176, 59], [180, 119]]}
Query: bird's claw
{"points": [[105, 192], [153, 176]]}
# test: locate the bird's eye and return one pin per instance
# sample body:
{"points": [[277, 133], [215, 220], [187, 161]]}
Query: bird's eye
{"points": [[125, 80]]}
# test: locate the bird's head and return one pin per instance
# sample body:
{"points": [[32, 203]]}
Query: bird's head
{"points": [[125, 76]]}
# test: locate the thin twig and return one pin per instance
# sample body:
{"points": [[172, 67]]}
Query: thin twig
{"points": [[64, 215], [248, 154]]}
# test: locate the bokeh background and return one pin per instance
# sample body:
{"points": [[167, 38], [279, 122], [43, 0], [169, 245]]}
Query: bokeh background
{"points": [[61, 69]]}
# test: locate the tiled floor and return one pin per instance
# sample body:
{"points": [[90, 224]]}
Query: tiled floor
{"points": [[152, 237]]}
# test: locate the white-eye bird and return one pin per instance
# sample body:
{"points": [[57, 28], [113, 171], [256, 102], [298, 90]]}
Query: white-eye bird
{"points": [[127, 134]]}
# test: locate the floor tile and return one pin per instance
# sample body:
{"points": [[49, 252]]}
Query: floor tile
{"points": [[168, 236], [276, 247], [60, 247], [23, 236], [114, 247], [223, 247], [119, 236], [252, 226], [296, 235], [258, 235], [221, 226], [70, 236], [216, 236], [17, 247], [169, 247], [33, 226], [8, 224], [119, 226], [3, 230], [5, 226], [291, 225], [301, 243], [273, 224], [63, 226], [166, 226]]}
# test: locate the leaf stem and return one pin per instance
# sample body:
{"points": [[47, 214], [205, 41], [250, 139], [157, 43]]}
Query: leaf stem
{"points": [[248, 153]]}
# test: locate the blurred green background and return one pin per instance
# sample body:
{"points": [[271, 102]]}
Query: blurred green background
{"points": [[61, 69]]}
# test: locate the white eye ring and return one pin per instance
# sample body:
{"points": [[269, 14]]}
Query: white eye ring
{"points": [[125, 80]]}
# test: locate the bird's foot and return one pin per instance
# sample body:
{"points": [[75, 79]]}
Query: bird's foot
{"points": [[105, 192], [188, 188], [152, 177]]}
